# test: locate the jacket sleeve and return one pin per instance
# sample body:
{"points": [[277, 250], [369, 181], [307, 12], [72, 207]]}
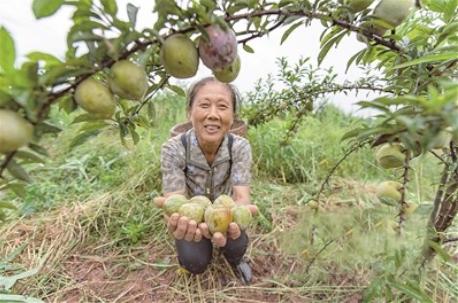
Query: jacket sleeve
{"points": [[241, 163], [172, 166]]}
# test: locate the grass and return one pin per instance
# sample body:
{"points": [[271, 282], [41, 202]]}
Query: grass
{"points": [[88, 224]]}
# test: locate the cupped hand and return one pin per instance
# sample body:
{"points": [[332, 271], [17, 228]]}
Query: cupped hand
{"points": [[183, 228], [218, 238]]}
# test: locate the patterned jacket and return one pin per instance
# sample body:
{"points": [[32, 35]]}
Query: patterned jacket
{"points": [[197, 177]]}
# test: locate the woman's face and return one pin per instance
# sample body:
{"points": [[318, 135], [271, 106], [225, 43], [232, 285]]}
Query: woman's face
{"points": [[212, 112]]}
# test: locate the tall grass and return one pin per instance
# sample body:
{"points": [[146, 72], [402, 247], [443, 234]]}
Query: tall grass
{"points": [[316, 147]]}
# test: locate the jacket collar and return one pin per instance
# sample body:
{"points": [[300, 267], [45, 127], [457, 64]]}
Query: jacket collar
{"points": [[197, 157]]}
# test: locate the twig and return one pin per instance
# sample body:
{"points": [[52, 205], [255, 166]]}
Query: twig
{"points": [[439, 157], [449, 240], [314, 15], [317, 254], [260, 34], [348, 153], [403, 203], [160, 85]]}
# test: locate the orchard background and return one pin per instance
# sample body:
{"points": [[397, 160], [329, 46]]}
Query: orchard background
{"points": [[76, 214]]}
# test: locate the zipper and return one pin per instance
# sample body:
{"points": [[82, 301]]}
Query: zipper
{"points": [[211, 185]]}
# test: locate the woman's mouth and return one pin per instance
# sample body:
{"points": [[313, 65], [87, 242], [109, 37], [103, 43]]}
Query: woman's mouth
{"points": [[212, 128]]}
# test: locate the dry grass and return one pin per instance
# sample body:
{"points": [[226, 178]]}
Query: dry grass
{"points": [[82, 260]]}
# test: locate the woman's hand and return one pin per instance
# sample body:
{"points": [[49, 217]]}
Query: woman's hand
{"points": [[233, 231], [180, 226], [183, 228]]}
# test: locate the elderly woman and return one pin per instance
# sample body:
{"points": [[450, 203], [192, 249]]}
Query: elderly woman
{"points": [[208, 160]]}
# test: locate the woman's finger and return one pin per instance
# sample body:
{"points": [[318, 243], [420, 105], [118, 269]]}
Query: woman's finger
{"points": [[182, 226], [233, 231], [159, 201], [198, 235], [191, 231], [219, 239], [204, 230], [172, 222], [253, 208]]}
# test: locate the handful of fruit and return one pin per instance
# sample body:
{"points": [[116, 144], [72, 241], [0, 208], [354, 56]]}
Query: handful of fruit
{"points": [[218, 215]]}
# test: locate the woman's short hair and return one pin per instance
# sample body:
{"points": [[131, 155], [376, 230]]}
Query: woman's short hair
{"points": [[195, 87]]}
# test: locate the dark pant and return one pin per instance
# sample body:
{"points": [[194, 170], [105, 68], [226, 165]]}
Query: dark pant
{"points": [[195, 256]]}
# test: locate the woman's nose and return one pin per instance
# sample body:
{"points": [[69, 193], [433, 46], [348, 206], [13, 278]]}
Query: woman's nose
{"points": [[213, 111]]}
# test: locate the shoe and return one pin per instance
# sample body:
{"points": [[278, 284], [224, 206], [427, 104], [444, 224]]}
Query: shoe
{"points": [[243, 270]]}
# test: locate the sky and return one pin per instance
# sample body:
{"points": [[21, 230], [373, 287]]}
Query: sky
{"points": [[49, 35]]}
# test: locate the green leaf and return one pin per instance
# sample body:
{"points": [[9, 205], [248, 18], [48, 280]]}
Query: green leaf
{"points": [[132, 11], [83, 137], [429, 58], [350, 61], [326, 47], [352, 133], [7, 51], [67, 103], [248, 48], [93, 125], [39, 149], [45, 57], [84, 118], [110, 6], [45, 8], [28, 156], [134, 134], [46, 128], [17, 188], [17, 171], [289, 31], [177, 89]]}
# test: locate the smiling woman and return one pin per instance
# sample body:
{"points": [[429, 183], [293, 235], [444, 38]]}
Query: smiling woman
{"points": [[208, 160]]}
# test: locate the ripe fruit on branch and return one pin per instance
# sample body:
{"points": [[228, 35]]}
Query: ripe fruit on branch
{"points": [[128, 80], [394, 11], [15, 131], [410, 208], [390, 156], [242, 216], [370, 28], [179, 56], [95, 98], [219, 49], [228, 73], [173, 203], [388, 192], [193, 211], [358, 5], [218, 219]]}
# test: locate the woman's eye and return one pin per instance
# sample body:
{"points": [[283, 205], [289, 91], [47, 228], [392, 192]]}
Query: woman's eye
{"points": [[204, 105]]}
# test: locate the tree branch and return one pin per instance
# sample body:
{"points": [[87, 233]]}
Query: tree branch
{"points": [[331, 172], [403, 203]]}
